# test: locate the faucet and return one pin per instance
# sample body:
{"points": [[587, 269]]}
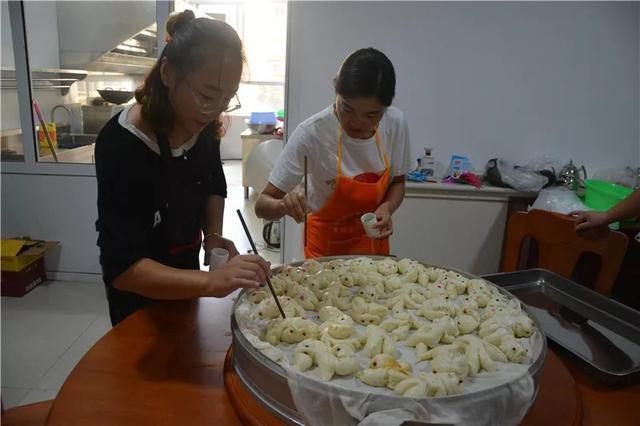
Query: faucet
{"points": [[53, 110]]}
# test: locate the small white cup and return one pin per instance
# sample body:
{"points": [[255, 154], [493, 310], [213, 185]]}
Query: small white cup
{"points": [[369, 220], [219, 257]]}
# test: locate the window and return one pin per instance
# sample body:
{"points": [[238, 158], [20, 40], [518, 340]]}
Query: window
{"points": [[10, 127], [262, 26], [72, 55]]}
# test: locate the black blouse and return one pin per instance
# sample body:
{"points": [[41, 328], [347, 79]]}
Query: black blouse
{"points": [[139, 216]]}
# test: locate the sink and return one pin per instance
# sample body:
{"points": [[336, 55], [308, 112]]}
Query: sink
{"points": [[75, 140]]}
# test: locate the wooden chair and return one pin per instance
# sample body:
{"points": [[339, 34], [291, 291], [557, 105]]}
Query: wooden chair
{"points": [[560, 247], [27, 415]]}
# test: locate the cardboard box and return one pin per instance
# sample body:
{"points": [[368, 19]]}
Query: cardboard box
{"points": [[17, 284], [22, 265], [18, 254]]}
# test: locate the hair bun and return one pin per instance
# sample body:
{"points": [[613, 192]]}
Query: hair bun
{"points": [[179, 20]]}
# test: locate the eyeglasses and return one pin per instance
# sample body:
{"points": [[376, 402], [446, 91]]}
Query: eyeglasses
{"points": [[209, 108]]}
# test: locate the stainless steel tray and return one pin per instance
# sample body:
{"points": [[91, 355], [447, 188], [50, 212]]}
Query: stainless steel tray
{"points": [[267, 381], [602, 334]]}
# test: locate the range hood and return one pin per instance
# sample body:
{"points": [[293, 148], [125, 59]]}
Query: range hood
{"points": [[136, 55], [44, 79], [114, 36]]}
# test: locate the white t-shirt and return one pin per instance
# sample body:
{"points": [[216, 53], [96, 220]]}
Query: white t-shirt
{"points": [[317, 138]]}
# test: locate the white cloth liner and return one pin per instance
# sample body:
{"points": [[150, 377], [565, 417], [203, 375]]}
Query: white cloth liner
{"points": [[505, 394]]}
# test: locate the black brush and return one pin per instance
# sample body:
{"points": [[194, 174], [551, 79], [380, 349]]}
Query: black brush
{"points": [[255, 251]]}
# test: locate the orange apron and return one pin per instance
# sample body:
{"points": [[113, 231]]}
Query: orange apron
{"points": [[336, 229]]}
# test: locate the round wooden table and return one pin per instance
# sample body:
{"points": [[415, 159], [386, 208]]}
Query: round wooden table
{"points": [[166, 365]]}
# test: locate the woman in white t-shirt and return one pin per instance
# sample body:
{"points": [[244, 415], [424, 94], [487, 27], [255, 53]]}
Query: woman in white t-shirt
{"points": [[357, 152]]}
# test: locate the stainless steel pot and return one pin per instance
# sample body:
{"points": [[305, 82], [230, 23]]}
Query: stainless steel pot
{"points": [[267, 380]]}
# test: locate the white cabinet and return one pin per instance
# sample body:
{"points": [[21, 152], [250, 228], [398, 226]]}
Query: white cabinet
{"points": [[461, 228], [449, 225]]}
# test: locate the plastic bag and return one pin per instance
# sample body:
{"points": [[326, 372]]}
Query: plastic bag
{"points": [[505, 174], [627, 177], [545, 162], [558, 199]]}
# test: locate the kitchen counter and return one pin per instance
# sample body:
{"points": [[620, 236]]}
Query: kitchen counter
{"points": [[80, 155], [455, 188], [11, 145], [454, 225]]}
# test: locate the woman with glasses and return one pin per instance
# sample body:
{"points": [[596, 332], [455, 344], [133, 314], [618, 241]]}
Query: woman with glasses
{"points": [[161, 186], [357, 151]]}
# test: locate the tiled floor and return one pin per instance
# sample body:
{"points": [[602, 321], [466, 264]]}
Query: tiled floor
{"points": [[235, 200], [46, 332], [44, 335]]}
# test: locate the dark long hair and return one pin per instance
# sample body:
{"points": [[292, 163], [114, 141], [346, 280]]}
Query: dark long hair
{"points": [[190, 42], [367, 73]]}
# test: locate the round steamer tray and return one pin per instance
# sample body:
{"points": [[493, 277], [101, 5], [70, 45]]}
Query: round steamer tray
{"points": [[267, 382]]}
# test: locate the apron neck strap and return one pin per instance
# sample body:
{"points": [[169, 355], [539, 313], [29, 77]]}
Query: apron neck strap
{"points": [[383, 155]]}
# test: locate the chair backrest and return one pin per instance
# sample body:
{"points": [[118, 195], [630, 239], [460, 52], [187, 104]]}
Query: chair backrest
{"points": [[560, 247]]}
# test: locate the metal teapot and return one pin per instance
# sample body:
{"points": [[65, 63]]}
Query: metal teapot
{"points": [[570, 176]]}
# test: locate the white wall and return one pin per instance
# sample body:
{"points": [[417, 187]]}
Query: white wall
{"points": [[59, 208], [511, 79], [5, 32], [504, 78], [42, 34], [231, 143], [42, 27]]}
